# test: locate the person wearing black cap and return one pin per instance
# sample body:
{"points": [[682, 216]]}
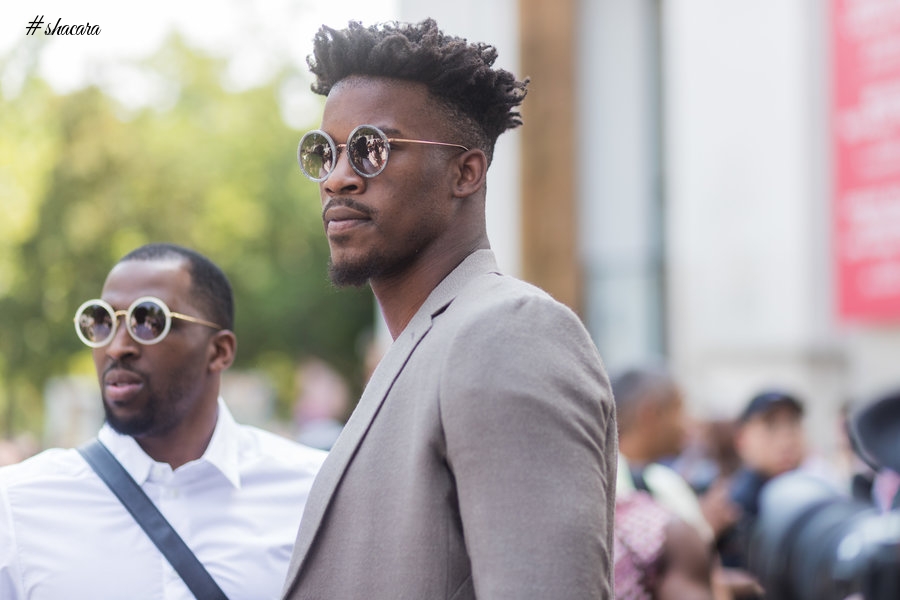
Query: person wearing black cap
{"points": [[770, 441]]}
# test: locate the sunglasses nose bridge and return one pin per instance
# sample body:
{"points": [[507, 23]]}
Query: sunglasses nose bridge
{"points": [[344, 176], [121, 340]]}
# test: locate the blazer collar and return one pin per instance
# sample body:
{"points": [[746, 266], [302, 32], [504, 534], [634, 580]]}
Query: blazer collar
{"points": [[478, 263]]}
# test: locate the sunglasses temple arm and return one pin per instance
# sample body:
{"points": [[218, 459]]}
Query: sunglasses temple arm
{"points": [[402, 140], [196, 320]]}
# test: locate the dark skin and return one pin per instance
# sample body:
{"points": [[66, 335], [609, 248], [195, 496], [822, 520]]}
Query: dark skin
{"points": [[425, 213], [422, 216], [654, 427], [167, 391], [688, 563]]}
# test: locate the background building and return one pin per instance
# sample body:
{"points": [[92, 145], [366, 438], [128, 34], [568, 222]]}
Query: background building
{"points": [[716, 183], [722, 178]]}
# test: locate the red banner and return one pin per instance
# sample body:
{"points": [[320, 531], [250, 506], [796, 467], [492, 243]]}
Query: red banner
{"points": [[866, 130]]}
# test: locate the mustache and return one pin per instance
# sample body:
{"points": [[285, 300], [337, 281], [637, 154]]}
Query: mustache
{"points": [[118, 365], [347, 203]]}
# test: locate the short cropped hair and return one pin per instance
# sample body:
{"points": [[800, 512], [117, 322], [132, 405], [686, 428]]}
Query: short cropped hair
{"points": [[637, 386], [478, 98], [209, 285]]}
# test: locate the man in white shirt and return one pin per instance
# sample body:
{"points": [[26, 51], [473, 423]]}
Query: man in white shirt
{"points": [[232, 492], [650, 413]]}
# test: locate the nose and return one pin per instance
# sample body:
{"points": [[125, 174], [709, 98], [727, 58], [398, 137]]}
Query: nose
{"points": [[122, 345], [344, 179]]}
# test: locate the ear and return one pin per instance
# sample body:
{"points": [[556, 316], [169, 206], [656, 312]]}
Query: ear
{"points": [[470, 173], [222, 349]]}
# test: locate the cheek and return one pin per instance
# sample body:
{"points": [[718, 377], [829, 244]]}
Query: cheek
{"points": [[748, 442], [176, 356], [791, 440], [99, 358], [415, 216], [185, 355], [181, 368], [430, 187]]}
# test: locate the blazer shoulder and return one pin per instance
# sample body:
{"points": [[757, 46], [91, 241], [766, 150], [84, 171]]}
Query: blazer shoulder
{"points": [[494, 301]]}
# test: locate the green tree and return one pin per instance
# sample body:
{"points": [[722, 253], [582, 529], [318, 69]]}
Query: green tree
{"points": [[83, 181]]}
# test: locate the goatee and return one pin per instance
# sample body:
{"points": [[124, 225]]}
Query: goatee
{"points": [[351, 275]]}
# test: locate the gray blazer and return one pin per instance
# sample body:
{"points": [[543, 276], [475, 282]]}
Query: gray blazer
{"points": [[479, 463]]}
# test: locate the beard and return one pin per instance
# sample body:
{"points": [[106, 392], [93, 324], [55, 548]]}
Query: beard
{"points": [[134, 426], [158, 415], [378, 264], [355, 274]]}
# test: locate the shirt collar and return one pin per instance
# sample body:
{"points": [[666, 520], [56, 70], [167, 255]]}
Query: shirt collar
{"points": [[222, 451]]}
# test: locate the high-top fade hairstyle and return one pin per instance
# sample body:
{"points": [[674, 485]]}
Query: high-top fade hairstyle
{"points": [[479, 100], [209, 285]]}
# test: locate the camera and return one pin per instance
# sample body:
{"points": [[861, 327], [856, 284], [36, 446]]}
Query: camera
{"points": [[810, 542]]}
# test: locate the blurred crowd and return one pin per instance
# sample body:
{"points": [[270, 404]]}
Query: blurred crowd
{"points": [[17, 448], [709, 476], [688, 489]]}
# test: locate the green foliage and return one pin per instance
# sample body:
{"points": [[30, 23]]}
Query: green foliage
{"points": [[81, 185]]}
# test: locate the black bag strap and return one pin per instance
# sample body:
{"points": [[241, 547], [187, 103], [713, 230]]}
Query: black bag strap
{"points": [[637, 475], [130, 494]]}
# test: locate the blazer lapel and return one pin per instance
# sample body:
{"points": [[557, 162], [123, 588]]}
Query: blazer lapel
{"points": [[353, 433], [369, 404]]}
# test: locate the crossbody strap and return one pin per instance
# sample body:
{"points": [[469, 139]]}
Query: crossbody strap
{"points": [[130, 494]]}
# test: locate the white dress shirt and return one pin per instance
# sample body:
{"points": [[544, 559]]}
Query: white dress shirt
{"points": [[670, 490], [63, 535]]}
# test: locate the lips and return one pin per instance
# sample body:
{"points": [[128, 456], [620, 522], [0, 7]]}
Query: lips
{"points": [[339, 219], [120, 385]]}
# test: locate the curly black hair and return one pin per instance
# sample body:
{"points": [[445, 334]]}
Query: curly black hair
{"points": [[479, 100]]}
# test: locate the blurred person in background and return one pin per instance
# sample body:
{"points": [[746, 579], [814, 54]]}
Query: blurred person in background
{"points": [[233, 493], [9, 452], [652, 430], [811, 541], [770, 441], [658, 556], [709, 455], [18, 448], [321, 405]]}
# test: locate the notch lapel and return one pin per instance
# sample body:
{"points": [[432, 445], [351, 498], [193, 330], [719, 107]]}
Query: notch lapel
{"points": [[352, 435], [370, 403]]}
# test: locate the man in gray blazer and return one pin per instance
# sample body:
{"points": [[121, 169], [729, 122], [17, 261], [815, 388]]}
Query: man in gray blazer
{"points": [[481, 459]]}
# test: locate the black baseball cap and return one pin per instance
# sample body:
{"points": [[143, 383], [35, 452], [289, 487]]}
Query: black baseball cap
{"points": [[767, 400]]}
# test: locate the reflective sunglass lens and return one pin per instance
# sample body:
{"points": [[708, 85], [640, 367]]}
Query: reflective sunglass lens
{"points": [[368, 150], [95, 323], [147, 321], [316, 156]]}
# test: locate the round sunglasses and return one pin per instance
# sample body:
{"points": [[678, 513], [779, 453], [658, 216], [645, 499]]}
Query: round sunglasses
{"points": [[147, 320], [368, 149]]}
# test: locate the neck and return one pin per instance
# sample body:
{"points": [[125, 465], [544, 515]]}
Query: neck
{"points": [[402, 295]]}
